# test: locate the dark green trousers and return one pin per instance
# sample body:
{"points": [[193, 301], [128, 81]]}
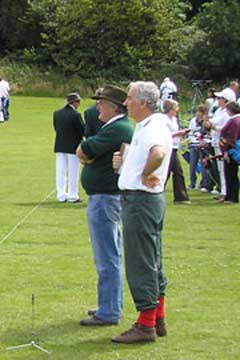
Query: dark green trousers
{"points": [[142, 217]]}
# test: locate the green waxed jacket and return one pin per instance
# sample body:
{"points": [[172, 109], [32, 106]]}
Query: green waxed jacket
{"points": [[99, 176]]}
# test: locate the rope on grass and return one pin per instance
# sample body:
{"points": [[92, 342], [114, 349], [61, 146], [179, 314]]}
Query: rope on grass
{"points": [[26, 217]]}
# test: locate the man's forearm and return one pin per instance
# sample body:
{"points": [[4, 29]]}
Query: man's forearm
{"points": [[154, 160]]}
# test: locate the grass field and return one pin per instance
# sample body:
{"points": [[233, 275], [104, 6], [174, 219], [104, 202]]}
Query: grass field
{"points": [[45, 251]]}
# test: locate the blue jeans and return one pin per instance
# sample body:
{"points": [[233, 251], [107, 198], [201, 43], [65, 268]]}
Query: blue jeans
{"points": [[195, 156], [104, 213]]}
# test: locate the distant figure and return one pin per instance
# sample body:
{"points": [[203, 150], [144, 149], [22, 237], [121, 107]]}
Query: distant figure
{"points": [[171, 108], [230, 133], [91, 117], [211, 102], [69, 128], [4, 96], [168, 90]]}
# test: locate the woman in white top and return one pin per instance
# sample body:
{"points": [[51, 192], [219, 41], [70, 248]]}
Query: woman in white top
{"points": [[216, 123], [171, 108]]}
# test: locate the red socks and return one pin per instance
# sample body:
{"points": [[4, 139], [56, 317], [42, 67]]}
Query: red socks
{"points": [[147, 318]]}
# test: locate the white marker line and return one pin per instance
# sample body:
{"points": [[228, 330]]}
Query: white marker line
{"points": [[26, 217]]}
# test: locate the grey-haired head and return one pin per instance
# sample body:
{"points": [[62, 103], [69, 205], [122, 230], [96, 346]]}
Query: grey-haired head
{"points": [[147, 92], [72, 97]]}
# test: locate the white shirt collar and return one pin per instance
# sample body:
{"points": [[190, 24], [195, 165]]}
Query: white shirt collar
{"points": [[119, 116]]}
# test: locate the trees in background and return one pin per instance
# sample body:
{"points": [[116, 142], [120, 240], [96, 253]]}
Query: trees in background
{"points": [[123, 39], [215, 53], [111, 39]]}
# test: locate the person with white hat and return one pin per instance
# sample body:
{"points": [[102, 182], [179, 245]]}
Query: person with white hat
{"points": [[69, 129], [215, 124]]}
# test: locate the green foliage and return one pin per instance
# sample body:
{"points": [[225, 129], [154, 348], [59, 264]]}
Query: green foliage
{"points": [[216, 53], [15, 32], [103, 39], [32, 80]]}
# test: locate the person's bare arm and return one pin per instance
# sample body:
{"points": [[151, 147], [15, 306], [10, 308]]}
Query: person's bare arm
{"points": [[154, 160]]}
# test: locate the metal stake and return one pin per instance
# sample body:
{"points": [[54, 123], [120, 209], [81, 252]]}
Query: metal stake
{"points": [[32, 343]]}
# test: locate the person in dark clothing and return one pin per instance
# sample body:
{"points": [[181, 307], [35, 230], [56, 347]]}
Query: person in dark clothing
{"points": [[69, 129], [99, 180], [230, 133], [91, 116]]}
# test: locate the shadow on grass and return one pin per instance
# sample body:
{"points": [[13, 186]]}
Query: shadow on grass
{"points": [[64, 335]]}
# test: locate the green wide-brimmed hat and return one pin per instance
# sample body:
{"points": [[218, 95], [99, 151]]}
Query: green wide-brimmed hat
{"points": [[113, 94]]}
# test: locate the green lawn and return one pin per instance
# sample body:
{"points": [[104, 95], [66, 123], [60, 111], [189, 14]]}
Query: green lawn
{"points": [[49, 255]]}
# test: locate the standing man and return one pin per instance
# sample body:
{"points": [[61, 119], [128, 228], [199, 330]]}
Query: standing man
{"points": [[100, 182], [141, 181], [168, 90], [91, 116], [4, 96], [69, 128]]}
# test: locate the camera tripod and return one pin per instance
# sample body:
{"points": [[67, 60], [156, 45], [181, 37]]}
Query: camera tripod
{"points": [[32, 342], [197, 95]]}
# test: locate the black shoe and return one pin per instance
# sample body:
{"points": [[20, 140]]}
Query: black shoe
{"points": [[95, 321], [92, 312]]}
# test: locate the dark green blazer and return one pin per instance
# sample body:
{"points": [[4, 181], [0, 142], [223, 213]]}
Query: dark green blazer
{"points": [[69, 128], [92, 122]]}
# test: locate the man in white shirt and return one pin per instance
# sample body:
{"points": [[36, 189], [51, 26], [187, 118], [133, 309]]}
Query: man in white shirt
{"points": [[4, 97], [142, 178], [168, 90]]}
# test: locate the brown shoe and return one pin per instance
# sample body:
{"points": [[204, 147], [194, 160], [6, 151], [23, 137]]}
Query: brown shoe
{"points": [[137, 333], [161, 327]]}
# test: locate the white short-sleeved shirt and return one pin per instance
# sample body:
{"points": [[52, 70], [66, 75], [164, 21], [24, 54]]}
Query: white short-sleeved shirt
{"points": [[219, 119], [4, 88], [150, 132], [173, 126]]}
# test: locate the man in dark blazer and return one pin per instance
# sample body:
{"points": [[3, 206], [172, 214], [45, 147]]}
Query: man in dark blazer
{"points": [[91, 116], [69, 129]]}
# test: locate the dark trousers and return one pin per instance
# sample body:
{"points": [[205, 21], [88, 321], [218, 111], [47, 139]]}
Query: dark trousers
{"points": [[232, 180], [142, 217], [179, 187]]}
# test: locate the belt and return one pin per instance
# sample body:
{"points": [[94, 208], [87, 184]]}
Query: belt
{"points": [[138, 192]]}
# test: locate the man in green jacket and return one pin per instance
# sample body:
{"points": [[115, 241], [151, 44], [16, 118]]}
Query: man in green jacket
{"points": [[100, 182]]}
